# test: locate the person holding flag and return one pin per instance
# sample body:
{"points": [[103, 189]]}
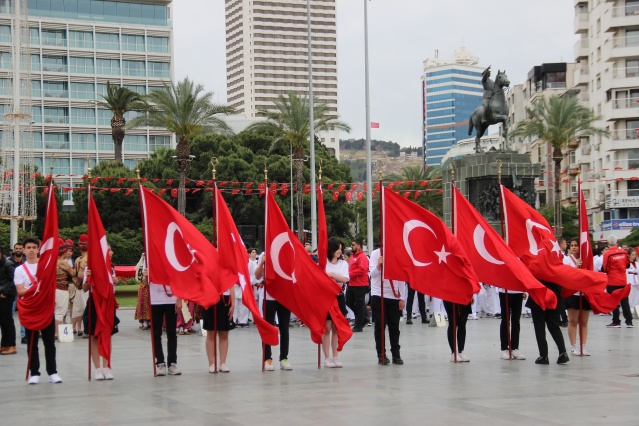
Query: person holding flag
{"points": [[337, 269], [578, 306], [217, 321]]}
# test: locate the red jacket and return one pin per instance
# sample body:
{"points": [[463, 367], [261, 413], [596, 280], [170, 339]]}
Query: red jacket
{"points": [[358, 270], [615, 263]]}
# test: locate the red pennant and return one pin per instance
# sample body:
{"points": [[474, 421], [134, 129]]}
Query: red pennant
{"points": [[273, 187], [174, 192], [360, 196], [249, 191], [94, 180], [156, 180], [406, 194], [114, 190], [162, 191], [199, 183], [335, 195], [349, 196], [120, 181], [342, 187], [235, 192], [249, 184], [261, 185], [108, 179], [169, 181], [68, 189], [417, 194], [391, 185], [129, 191], [330, 186], [354, 186], [377, 186], [196, 190]]}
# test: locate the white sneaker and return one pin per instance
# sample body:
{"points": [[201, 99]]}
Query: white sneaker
{"points": [[268, 365], [34, 380], [472, 317], [328, 363], [461, 357], [108, 374], [54, 378], [99, 375], [212, 369], [285, 365], [584, 351], [224, 369], [337, 363], [506, 354], [174, 370], [574, 350], [160, 370], [518, 355]]}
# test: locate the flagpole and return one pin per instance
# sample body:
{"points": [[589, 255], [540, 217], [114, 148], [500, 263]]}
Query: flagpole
{"points": [[452, 209], [311, 125], [501, 221], [264, 266], [89, 305], [148, 266], [319, 356], [214, 172], [369, 171], [381, 271], [580, 220]]}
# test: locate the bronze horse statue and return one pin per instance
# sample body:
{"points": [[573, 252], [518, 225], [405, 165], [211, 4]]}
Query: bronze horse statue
{"points": [[493, 109]]}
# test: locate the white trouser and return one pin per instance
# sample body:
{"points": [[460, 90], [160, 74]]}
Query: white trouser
{"points": [[241, 312]]}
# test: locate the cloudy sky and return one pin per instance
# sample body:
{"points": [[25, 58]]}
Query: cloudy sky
{"points": [[511, 34]]}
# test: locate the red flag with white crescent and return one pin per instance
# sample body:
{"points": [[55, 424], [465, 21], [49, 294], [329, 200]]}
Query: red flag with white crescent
{"points": [[585, 248], [420, 249], [235, 262], [36, 306], [292, 277], [492, 259]]}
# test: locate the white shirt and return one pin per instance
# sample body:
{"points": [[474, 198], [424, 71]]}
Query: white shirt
{"points": [[340, 268], [376, 278], [631, 274], [20, 275], [159, 296], [252, 266], [570, 261], [597, 263]]}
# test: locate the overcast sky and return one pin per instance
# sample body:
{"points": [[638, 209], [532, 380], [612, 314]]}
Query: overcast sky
{"points": [[511, 34]]}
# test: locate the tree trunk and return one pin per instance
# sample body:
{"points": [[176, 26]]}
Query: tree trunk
{"points": [[557, 157], [299, 182], [117, 134], [183, 151]]}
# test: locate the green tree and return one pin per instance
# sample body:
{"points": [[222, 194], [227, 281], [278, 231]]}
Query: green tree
{"points": [[632, 239], [290, 122], [558, 120], [120, 100], [187, 111], [569, 219]]}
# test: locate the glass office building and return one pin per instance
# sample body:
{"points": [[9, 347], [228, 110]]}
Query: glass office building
{"points": [[77, 46], [451, 90]]}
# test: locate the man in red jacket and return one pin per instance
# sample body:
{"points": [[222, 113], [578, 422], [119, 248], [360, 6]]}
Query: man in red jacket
{"points": [[358, 286], [615, 263]]}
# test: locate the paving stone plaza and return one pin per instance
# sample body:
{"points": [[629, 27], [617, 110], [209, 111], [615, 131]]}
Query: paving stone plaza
{"points": [[600, 389]]}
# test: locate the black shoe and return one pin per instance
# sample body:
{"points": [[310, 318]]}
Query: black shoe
{"points": [[563, 358], [497, 316], [23, 340], [542, 360], [398, 361], [386, 360], [425, 321], [563, 324], [409, 321], [357, 329]]}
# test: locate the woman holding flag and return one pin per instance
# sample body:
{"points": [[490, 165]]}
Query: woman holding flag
{"points": [[337, 269], [578, 306]]}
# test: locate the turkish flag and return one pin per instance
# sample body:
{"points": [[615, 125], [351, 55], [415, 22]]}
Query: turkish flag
{"points": [[585, 248], [531, 239], [420, 249], [344, 332], [178, 255], [37, 305], [493, 262], [235, 263], [292, 277], [102, 288]]}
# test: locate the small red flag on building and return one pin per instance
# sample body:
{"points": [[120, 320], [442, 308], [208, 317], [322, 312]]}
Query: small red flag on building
{"points": [[374, 125]]}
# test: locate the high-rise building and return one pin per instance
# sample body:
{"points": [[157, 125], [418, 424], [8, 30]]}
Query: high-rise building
{"points": [[267, 55], [77, 46], [607, 76], [451, 90]]}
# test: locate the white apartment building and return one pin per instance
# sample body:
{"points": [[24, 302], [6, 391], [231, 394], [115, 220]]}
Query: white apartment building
{"points": [[267, 55], [77, 46], [607, 75]]}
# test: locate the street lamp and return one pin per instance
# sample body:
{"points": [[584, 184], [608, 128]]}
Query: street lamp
{"points": [[183, 164], [369, 178]]}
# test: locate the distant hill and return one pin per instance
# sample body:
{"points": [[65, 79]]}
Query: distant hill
{"points": [[353, 154]]}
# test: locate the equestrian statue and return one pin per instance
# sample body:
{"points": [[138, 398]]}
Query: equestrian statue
{"points": [[493, 109]]}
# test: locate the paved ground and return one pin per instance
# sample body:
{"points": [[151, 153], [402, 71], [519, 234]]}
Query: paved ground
{"points": [[601, 389]]}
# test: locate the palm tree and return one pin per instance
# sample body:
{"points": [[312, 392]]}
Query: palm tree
{"points": [[187, 111], [120, 100], [558, 120], [290, 122]]}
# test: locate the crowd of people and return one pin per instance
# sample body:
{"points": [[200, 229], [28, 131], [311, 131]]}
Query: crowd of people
{"points": [[365, 299]]}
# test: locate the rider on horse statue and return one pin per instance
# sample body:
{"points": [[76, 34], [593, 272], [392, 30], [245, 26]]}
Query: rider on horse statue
{"points": [[489, 93]]}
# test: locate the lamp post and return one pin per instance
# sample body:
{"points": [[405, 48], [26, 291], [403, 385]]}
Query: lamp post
{"points": [[311, 130], [369, 178], [183, 164]]}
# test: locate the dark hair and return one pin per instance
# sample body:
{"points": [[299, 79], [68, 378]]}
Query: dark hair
{"points": [[359, 241], [574, 240], [333, 246], [560, 239], [33, 240], [249, 250], [18, 244]]}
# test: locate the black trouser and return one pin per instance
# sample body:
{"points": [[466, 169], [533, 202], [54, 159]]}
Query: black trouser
{"points": [[625, 307], [392, 314], [461, 318], [48, 340], [514, 313], [542, 319], [7, 326], [420, 303], [283, 318], [356, 301], [159, 313], [561, 308]]}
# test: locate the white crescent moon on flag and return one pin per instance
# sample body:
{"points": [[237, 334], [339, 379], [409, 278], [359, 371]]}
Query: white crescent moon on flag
{"points": [[47, 245], [276, 246], [105, 253], [530, 224], [169, 248], [480, 244], [409, 226], [583, 239]]}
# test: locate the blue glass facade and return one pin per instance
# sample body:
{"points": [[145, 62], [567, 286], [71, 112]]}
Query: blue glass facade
{"points": [[447, 107]]}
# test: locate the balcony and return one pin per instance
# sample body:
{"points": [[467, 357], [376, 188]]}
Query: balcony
{"points": [[620, 17], [621, 109], [581, 22], [621, 139], [620, 48], [581, 49], [625, 77], [582, 72], [621, 170]]}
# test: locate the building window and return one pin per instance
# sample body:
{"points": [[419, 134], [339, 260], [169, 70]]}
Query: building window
{"points": [[54, 37], [156, 142], [83, 141], [81, 65], [56, 141], [108, 66], [133, 68], [54, 63], [107, 41], [133, 43], [5, 34], [159, 69], [632, 38], [633, 158], [83, 116], [137, 89], [5, 60], [37, 143], [105, 142], [82, 91], [55, 89], [61, 166], [157, 44], [56, 115], [135, 143], [104, 117], [81, 39], [632, 7], [5, 86], [633, 188], [36, 114], [35, 63], [34, 36]]}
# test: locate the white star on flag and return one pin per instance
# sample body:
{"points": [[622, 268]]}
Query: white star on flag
{"points": [[556, 248], [442, 255]]}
